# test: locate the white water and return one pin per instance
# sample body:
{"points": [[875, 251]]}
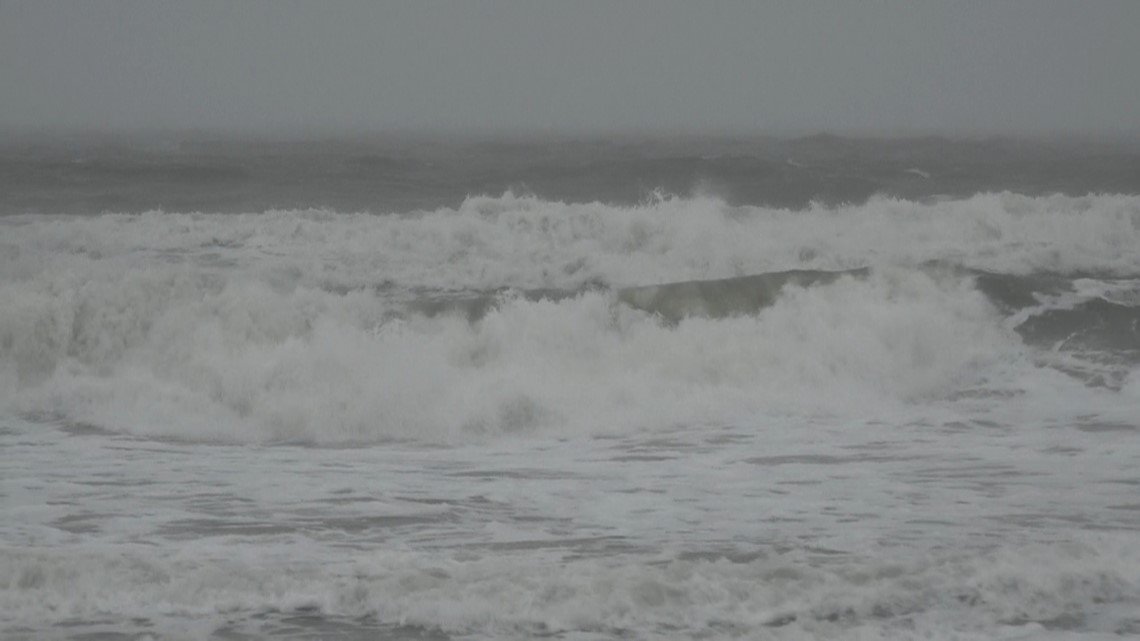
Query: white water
{"points": [[943, 527], [182, 358], [878, 457], [524, 242], [260, 327]]}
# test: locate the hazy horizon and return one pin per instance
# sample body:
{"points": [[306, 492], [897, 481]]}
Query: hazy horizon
{"points": [[503, 68]]}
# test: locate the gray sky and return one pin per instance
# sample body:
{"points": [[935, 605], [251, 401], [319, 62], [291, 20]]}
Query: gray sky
{"points": [[1028, 66]]}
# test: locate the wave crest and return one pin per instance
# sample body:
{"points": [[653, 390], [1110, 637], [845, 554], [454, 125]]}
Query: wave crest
{"points": [[200, 359]]}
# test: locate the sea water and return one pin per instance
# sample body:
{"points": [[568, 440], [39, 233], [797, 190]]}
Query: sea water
{"points": [[519, 416]]}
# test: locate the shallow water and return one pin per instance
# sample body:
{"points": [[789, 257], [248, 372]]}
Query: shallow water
{"points": [[940, 525]]}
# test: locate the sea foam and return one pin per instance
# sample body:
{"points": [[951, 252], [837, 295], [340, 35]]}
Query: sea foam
{"points": [[194, 357], [303, 325]]}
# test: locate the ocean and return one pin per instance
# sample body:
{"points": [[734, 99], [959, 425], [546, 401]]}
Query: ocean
{"points": [[579, 389]]}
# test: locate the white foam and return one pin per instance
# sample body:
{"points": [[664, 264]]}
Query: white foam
{"points": [[785, 595], [199, 357], [256, 327], [1125, 293], [525, 242]]}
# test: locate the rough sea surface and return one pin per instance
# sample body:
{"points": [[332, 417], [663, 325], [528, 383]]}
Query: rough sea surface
{"points": [[818, 388]]}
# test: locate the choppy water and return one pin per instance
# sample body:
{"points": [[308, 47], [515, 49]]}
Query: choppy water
{"points": [[91, 174], [519, 417], [782, 527]]}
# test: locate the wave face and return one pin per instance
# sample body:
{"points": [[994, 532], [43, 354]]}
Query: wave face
{"points": [[516, 314]]}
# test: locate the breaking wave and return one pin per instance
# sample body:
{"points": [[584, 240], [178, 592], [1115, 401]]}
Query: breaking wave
{"points": [[514, 314], [191, 357], [526, 243]]}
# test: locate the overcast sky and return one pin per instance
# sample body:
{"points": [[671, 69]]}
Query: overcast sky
{"points": [[1065, 66]]}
